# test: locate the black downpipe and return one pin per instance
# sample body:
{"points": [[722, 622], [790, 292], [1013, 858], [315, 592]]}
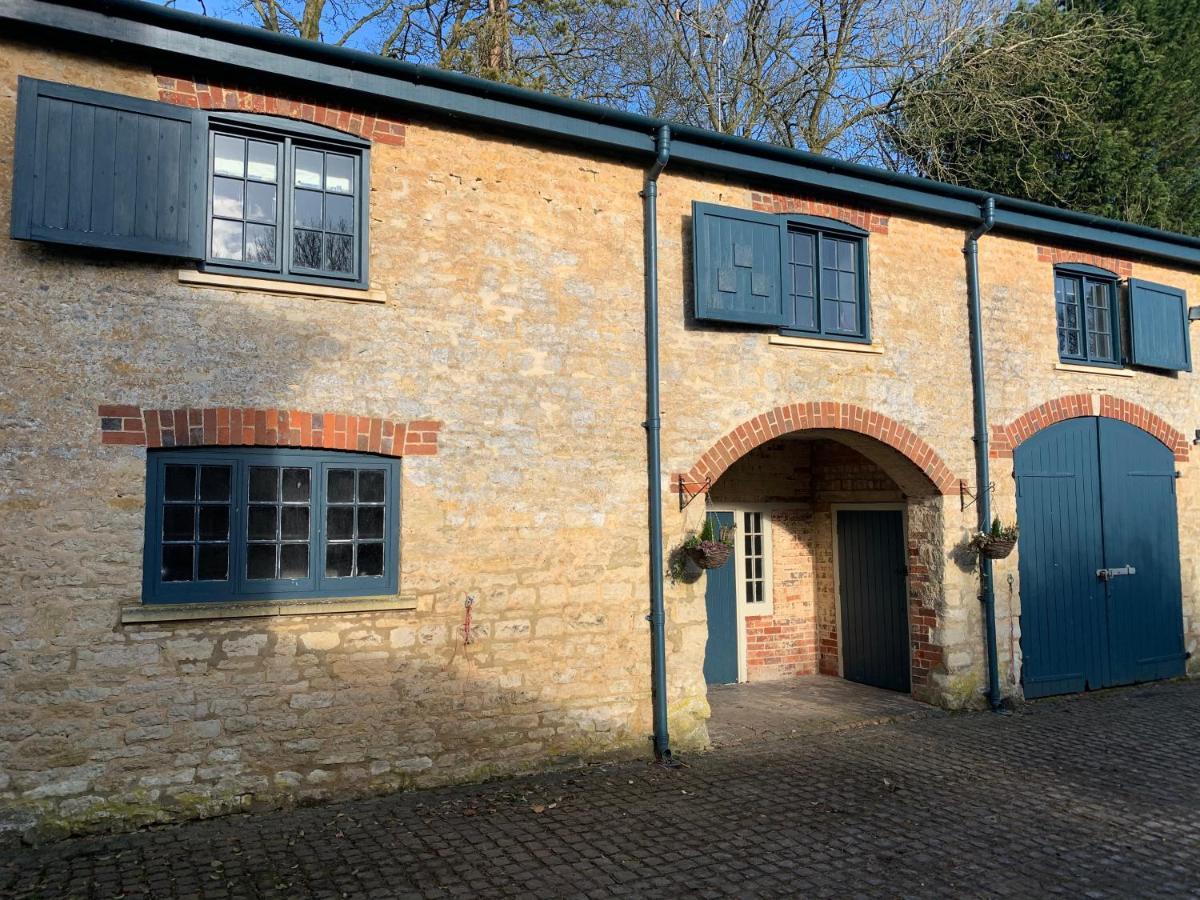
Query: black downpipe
{"points": [[653, 426], [983, 500]]}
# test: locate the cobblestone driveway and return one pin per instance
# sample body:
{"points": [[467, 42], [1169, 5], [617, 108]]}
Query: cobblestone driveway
{"points": [[1091, 796]]}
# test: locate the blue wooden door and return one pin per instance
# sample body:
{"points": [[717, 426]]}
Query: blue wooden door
{"points": [[874, 598], [1141, 549], [1099, 558], [720, 600], [1064, 624]]}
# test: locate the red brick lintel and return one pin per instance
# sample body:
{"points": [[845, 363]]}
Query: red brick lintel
{"points": [[199, 94], [869, 220], [226, 426], [1006, 438], [819, 414]]}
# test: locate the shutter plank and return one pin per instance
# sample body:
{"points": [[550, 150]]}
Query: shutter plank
{"points": [[125, 176], [104, 170], [56, 177], [79, 193]]}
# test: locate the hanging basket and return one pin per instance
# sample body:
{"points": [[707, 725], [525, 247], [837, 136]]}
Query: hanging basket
{"points": [[709, 554], [996, 548]]}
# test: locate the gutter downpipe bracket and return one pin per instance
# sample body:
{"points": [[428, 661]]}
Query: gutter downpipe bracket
{"points": [[653, 426], [987, 592]]}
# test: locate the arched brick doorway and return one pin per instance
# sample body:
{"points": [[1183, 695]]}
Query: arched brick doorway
{"points": [[827, 500]]}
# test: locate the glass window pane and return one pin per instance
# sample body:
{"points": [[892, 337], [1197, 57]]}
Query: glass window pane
{"points": [[179, 522], [370, 522], [212, 564], [294, 523], [264, 521], [370, 486], [306, 252], [341, 485], [293, 560], [229, 154], [181, 483], [296, 486], [308, 168], [227, 197], [214, 482], [339, 560], [263, 161], [370, 559], [845, 258], [260, 244], [308, 212], [264, 483], [226, 239], [177, 562], [848, 317], [339, 523], [214, 523], [260, 202], [339, 173], [260, 561], [339, 214], [339, 256]]}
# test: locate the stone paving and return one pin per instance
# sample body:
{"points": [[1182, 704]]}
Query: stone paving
{"points": [[1092, 796]]}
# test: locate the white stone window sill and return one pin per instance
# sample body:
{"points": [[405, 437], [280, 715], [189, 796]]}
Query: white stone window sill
{"points": [[244, 285], [783, 340], [183, 612], [1093, 370]]}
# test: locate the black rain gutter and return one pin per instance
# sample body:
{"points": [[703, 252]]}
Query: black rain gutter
{"points": [[206, 42], [983, 478], [653, 425]]}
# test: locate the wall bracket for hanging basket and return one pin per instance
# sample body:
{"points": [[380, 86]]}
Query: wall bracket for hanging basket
{"points": [[687, 495], [964, 492]]}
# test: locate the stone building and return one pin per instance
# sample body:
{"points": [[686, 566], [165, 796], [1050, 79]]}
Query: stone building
{"points": [[323, 426]]}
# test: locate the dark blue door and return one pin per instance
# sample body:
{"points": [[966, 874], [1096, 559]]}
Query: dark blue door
{"points": [[1141, 551], [874, 598], [720, 599], [1064, 625], [1099, 558]]}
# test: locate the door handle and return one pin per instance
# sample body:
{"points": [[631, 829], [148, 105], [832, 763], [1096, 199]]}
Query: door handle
{"points": [[1106, 574]]}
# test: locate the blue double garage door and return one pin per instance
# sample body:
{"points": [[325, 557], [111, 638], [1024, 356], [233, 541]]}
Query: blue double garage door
{"points": [[1099, 558]]}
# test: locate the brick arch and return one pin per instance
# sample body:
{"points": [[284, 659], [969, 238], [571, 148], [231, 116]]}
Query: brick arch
{"points": [[1006, 438], [226, 426], [200, 94], [820, 415]]}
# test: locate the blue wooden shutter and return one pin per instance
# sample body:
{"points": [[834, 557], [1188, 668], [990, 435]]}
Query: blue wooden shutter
{"points": [[1158, 326], [737, 259], [103, 170]]}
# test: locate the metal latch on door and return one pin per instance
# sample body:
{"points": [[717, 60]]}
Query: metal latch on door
{"points": [[1106, 574]]}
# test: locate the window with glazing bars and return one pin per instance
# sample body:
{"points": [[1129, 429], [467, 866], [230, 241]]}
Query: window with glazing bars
{"points": [[826, 281], [1087, 316], [283, 206], [753, 558], [268, 524]]}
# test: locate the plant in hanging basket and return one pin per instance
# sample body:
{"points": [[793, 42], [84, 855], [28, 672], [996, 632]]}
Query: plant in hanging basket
{"points": [[996, 543], [708, 550]]}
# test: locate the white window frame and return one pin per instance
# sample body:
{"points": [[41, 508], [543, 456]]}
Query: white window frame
{"points": [[745, 609]]}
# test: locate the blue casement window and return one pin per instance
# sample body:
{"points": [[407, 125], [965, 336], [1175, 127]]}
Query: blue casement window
{"points": [[285, 205], [826, 283], [269, 524], [805, 275], [1088, 315], [234, 192]]}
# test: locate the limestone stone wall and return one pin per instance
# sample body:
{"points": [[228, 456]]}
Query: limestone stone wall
{"points": [[513, 279]]}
